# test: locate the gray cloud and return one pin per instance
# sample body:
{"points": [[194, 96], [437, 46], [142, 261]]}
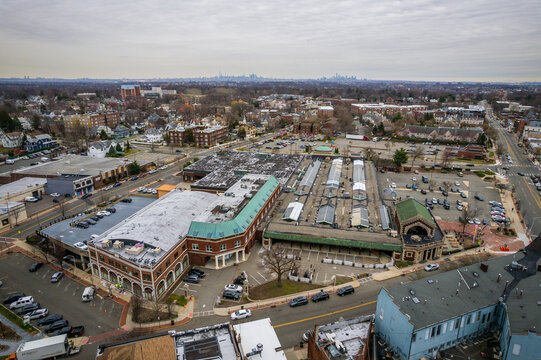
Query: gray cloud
{"points": [[385, 39]]}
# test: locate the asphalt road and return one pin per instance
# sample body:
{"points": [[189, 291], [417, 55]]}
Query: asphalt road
{"points": [[530, 200], [79, 205]]}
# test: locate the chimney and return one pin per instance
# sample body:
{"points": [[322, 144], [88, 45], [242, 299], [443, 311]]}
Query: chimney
{"points": [[506, 284], [499, 278]]}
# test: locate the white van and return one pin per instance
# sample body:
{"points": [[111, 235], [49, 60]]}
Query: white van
{"points": [[25, 300], [88, 293], [10, 162], [44, 159]]}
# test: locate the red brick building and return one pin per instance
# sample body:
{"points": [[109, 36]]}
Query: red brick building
{"points": [[130, 91], [203, 136]]}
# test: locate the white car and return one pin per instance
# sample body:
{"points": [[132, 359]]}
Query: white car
{"points": [[414, 178], [36, 314], [241, 314], [30, 199], [80, 246], [109, 187], [55, 194], [153, 171], [232, 287], [432, 267], [103, 213], [393, 185], [164, 167], [457, 183], [154, 191]]}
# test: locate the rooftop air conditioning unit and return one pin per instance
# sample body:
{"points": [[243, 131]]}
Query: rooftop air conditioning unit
{"points": [[118, 244], [105, 243]]}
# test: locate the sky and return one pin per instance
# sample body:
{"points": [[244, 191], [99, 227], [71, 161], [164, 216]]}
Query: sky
{"points": [[458, 40]]}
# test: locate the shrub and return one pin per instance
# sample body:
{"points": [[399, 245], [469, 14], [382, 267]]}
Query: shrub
{"points": [[178, 299]]}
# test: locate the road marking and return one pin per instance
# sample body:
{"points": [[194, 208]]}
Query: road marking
{"points": [[257, 281], [264, 278], [327, 314]]}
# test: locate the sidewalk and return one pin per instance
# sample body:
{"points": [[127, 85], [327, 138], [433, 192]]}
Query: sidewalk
{"points": [[260, 304], [516, 221], [13, 344], [185, 314]]}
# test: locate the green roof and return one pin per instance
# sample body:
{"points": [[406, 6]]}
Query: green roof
{"points": [[410, 208], [323, 148], [332, 241], [241, 221]]}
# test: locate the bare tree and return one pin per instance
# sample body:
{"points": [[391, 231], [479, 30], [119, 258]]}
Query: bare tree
{"points": [[418, 151], [446, 159], [500, 148], [169, 302], [136, 307], [446, 185], [277, 261], [466, 215], [388, 146]]}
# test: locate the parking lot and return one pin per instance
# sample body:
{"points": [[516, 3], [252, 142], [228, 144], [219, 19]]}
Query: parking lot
{"points": [[470, 184], [64, 297]]}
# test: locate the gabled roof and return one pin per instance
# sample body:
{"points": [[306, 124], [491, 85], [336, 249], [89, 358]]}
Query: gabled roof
{"points": [[410, 208]]}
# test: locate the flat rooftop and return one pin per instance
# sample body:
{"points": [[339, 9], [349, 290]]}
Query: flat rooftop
{"points": [[225, 168], [261, 332], [436, 295], [348, 339], [211, 342], [21, 185], [158, 347], [62, 230], [74, 164]]}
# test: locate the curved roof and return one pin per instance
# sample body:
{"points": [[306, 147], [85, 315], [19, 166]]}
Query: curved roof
{"points": [[410, 208]]}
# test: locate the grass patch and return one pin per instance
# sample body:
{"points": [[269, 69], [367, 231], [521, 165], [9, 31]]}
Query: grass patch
{"points": [[339, 280], [402, 264], [473, 161], [7, 333], [178, 299], [242, 149], [270, 290], [17, 320]]}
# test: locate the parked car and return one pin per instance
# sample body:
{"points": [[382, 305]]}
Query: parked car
{"points": [[320, 296], [103, 213], [199, 273], [241, 314], [91, 221], [112, 210], [55, 194], [194, 279], [117, 184], [57, 276], [35, 266], [346, 290], [393, 185], [233, 287], [432, 267], [30, 199], [59, 324], [232, 295], [298, 301], [108, 187], [13, 297], [152, 171], [81, 245], [28, 308], [306, 335], [463, 195], [239, 280], [126, 200], [36, 314], [95, 218], [76, 331], [134, 178], [86, 196], [62, 331], [477, 197]]}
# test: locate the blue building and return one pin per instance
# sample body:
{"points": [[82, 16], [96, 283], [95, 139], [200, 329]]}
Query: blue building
{"points": [[500, 297], [121, 131], [39, 142]]}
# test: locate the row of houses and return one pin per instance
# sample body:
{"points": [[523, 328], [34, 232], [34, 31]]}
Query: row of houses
{"points": [[32, 143]]}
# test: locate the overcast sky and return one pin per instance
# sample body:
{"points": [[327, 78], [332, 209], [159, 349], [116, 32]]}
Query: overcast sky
{"points": [[492, 40]]}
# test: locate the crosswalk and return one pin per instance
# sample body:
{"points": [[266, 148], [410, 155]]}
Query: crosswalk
{"points": [[203, 313]]}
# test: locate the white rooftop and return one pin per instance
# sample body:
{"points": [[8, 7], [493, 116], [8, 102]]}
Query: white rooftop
{"points": [[351, 335], [21, 185], [161, 224], [201, 341], [259, 332]]}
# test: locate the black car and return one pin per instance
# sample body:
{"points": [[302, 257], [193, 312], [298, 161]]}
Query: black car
{"points": [[126, 200], [28, 308], [346, 290], [239, 280], [423, 191], [197, 272], [229, 294], [477, 197], [86, 196], [520, 173], [91, 221], [35, 266], [55, 200], [67, 195], [76, 331], [298, 301], [57, 325], [82, 225], [117, 184], [49, 319], [112, 210], [13, 297], [194, 279], [64, 330], [322, 295], [96, 218]]}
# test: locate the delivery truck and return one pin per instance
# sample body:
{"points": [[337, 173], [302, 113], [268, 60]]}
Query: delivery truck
{"points": [[45, 348]]}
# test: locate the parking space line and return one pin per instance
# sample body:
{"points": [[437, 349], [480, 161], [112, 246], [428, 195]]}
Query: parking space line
{"points": [[255, 279], [264, 278], [309, 252]]}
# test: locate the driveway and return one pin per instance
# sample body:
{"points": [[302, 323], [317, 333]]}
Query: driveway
{"points": [[64, 297]]}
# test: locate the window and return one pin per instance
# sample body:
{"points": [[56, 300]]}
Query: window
{"points": [[167, 263], [195, 246], [184, 247], [135, 273], [414, 337], [381, 314], [111, 262], [101, 258], [483, 319], [5, 221], [209, 248], [409, 253], [237, 243], [117, 265], [176, 255], [438, 331], [468, 321], [223, 247], [433, 332], [478, 316], [488, 317], [147, 277]]}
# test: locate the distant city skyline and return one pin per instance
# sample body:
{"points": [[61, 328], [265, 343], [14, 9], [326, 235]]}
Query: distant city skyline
{"points": [[417, 40]]}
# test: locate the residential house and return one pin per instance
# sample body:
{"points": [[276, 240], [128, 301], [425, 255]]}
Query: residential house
{"points": [[100, 149], [153, 135], [11, 140], [121, 131], [39, 142], [469, 135]]}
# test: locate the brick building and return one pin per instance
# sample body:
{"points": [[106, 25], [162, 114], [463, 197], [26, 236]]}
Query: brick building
{"points": [[149, 252], [203, 136], [391, 109], [130, 91], [91, 121], [468, 152]]}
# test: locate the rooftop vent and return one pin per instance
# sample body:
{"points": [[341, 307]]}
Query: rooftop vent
{"points": [[118, 244], [415, 300], [105, 243]]}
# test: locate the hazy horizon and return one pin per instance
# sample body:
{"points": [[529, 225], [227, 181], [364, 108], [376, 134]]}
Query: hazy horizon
{"points": [[418, 40]]}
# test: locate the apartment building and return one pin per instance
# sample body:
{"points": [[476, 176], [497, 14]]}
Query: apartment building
{"points": [[91, 121], [203, 136], [130, 91]]}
